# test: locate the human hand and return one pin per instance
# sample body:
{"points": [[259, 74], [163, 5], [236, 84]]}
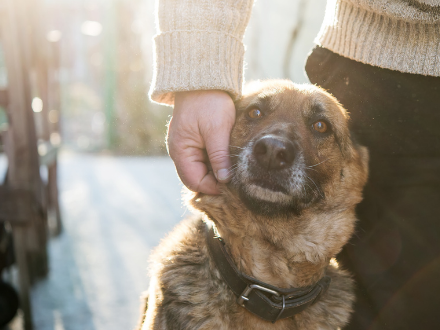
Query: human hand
{"points": [[199, 132]]}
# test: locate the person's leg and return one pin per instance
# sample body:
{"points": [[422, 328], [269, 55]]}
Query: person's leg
{"points": [[395, 252]]}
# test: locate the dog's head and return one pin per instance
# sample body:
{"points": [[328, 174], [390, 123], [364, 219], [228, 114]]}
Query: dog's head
{"points": [[292, 149]]}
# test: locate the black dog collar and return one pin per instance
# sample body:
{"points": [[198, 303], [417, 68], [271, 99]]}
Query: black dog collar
{"points": [[264, 300]]}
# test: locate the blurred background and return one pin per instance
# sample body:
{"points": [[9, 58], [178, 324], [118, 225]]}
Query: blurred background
{"points": [[86, 188]]}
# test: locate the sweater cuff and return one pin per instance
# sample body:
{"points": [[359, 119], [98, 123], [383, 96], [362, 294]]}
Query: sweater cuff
{"points": [[196, 60]]}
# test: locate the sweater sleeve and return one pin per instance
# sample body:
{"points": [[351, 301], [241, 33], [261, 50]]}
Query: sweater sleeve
{"points": [[199, 46]]}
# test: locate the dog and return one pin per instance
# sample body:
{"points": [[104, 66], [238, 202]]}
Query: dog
{"points": [[261, 254]]}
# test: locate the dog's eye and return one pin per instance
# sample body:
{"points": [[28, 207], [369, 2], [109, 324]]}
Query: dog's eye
{"points": [[320, 126], [255, 113]]}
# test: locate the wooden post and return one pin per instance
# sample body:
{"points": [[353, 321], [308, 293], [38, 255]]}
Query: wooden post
{"points": [[24, 199], [53, 197], [54, 104], [20, 234], [23, 160]]}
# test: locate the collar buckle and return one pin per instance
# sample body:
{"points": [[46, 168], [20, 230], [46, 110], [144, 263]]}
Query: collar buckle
{"points": [[244, 295]]}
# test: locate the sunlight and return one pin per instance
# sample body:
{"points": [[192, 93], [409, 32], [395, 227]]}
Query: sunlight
{"points": [[91, 28], [54, 35], [37, 104]]}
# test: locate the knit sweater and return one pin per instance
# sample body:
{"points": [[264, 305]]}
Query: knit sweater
{"points": [[200, 42]]}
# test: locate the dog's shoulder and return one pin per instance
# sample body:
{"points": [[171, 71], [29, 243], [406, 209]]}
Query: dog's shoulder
{"points": [[186, 288], [184, 246], [335, 307]]}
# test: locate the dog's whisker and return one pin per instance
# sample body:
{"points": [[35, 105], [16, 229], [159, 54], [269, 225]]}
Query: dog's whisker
{"points": [[304, 190], [232, 169], [317, 188], [236, 147], [318, 163], [313, 190], [316, 192], [232, 166]]}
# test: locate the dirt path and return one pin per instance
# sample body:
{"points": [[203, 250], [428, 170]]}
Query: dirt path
{"points": [[115, 210]]}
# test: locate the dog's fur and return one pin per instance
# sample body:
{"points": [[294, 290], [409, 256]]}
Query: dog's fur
{"points": [[280, 226]]}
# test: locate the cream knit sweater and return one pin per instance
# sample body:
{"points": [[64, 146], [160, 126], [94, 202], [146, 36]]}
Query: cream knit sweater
{"points": [[200, 42]]}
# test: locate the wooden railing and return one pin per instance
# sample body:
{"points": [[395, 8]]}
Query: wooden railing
{"points": [[26, 198]]}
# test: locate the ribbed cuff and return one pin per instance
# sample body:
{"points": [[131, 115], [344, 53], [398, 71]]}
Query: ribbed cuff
{"points": [[196, 60], [379, 40]]}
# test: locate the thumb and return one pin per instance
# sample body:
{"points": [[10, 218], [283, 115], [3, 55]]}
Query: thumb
{"points": [[217, 148]]}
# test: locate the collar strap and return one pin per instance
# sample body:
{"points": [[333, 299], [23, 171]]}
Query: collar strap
{"points": [[264, 300]]}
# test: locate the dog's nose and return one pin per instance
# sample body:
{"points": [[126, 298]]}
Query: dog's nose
{"points": [[273, 153]]}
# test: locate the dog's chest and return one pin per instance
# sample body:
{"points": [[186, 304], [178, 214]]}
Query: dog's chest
{"points": [[194, 296]]}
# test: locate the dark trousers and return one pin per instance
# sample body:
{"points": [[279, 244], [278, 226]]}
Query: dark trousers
{"points": [[394, 254]]}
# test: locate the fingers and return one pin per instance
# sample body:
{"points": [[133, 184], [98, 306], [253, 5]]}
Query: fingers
{"points": [[215, 126], [217, 148], [199, 134], [191, 167]]}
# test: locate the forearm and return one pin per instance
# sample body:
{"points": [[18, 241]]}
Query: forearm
{"points": [[199, 47]]}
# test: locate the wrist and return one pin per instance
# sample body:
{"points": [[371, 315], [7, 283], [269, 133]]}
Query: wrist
{"points": [[200, 93]]}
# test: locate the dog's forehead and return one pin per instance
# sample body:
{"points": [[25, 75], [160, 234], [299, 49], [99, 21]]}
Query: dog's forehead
{"points": [[290, 98]]}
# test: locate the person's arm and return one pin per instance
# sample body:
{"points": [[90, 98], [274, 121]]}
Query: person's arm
{"points": [[199, 69]]}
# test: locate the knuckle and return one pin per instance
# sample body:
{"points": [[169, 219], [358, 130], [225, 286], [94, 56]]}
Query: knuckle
{"points": [[217, 127], [218, 156]]}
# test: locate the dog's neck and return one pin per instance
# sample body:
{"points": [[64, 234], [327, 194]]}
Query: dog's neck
{"points": [[282, 252], [269, 262]]}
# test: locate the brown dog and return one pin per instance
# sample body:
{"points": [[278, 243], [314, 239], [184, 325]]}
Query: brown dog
{"points": [[290, 207]]}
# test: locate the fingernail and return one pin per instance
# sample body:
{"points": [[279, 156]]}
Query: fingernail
{"points": [[222, 174]]}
